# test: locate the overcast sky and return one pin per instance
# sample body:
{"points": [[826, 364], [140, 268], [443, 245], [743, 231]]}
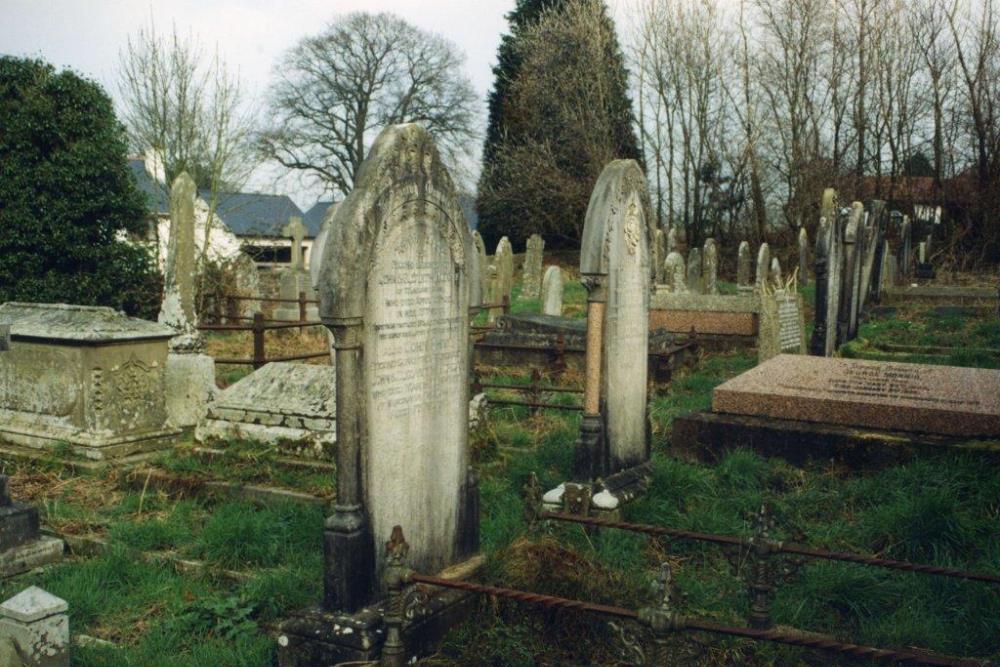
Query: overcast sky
{"points": [[87, 35]]}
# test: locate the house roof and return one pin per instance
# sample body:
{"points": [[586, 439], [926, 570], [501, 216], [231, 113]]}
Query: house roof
{"points": [[255, 214], [157, 200], [313, 218]]}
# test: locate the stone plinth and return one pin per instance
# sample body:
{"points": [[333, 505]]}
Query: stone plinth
{"points": [[919, 398], [21, 545], [190, 386], [87, 376], [291, 404], [34, 626]]}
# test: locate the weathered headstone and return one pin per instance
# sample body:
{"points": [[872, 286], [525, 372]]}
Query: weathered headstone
{"points": [[875, 394], [711, 272], [803, 257], [694, 280], [743, 283], [552, 291], [22, 546], [782, 325], [671, 240], [614, 265], [675, 273], [504, 260], [34, 630], [777, 280], [763, 268], [396, 294], [531, 280]]}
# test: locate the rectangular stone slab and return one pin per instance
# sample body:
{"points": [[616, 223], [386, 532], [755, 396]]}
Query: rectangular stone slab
{"points": [[919, 398]]}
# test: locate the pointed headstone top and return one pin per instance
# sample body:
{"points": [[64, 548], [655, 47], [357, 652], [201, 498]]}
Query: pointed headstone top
{"points": [[32, 604]]}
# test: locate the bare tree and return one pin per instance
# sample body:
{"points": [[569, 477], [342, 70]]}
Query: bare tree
{"points": [[187, 107], [335, 90]]}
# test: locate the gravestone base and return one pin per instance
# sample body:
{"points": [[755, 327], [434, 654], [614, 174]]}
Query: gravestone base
{"points": [[709, 436], [190, 387], [315, 637], [30, 555], [40, 443]]}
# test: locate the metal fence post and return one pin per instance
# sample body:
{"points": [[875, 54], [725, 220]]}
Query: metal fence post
{"points": [[302, 308], [396, 575], [259, 359]]}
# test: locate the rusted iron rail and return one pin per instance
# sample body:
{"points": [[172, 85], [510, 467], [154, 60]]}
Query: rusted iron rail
{"points": [[774, 546], [681, 623], [235, 297], [534, 404], [531, 388]]}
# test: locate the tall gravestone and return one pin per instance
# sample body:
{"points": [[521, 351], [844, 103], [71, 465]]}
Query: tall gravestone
{"points": [[614, 265], [905, 254], [492, 294], [671, 240], [836, 221], [675, 273], [396, 293], [531, 281], [743, 283], [848, 289], [763, 267], [657, 255], [504, 260], [711, 271], [694, 279], [189, 375], [484, 283], [803, 257], [777, 280], [817, 343], [552, 291]]}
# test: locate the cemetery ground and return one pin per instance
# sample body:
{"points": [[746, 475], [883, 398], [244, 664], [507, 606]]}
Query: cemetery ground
{"points": [[169, 571]]}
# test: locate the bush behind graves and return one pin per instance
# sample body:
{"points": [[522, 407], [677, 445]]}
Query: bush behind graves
{"points": [[67, 198]]}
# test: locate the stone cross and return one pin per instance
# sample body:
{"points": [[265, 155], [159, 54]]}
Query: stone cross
{"points": [[694, 281], [297, 231], [711, 262], [614, 267], [675, 273], [532, 273], [552, 291], [396, 293], [803, 257], [763, 267], [743, 268]]}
